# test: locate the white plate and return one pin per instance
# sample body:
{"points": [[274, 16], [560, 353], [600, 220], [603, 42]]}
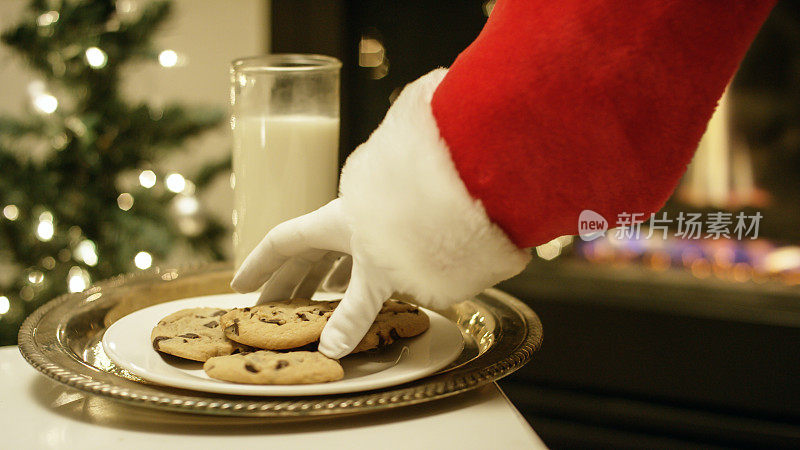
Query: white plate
{"points": [[127, 343]]}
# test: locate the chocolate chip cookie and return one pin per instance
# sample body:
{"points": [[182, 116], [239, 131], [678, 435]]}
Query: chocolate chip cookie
{"points": [[267, 367], [278, 325], [394, 321], [294, 323], [194, 334]]}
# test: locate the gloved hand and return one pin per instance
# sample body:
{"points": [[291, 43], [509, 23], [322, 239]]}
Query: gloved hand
{"points": [[405, 217], [290, 253]]}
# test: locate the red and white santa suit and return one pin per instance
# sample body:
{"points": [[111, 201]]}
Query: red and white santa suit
{"points": [[556, 107]]}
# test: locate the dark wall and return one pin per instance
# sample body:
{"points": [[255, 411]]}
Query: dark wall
{"points": [[418, 36]]}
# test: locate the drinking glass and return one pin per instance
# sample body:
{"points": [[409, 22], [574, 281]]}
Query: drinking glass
{"points": [[285, 123]]}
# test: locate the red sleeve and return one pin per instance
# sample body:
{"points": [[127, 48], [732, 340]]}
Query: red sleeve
{"points": [[561, 106]]}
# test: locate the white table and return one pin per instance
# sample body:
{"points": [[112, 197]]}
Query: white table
{"points": [[36, 412]]}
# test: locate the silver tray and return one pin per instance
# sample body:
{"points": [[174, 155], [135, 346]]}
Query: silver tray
{"points": [[62, 340]]}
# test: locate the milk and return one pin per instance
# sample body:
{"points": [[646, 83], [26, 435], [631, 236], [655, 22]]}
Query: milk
{"points": [[284, 166]]}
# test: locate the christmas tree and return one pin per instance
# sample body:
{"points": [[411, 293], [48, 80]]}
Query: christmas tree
{"points": [[81, 195]]}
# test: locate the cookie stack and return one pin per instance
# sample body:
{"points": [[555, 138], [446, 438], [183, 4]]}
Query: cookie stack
{"points": [[268, 343]]}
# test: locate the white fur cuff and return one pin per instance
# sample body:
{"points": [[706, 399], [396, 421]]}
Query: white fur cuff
{"points": [[412, 214]]}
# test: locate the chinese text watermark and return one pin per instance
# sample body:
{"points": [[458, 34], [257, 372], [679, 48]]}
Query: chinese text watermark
{"points": [[713, 225]]}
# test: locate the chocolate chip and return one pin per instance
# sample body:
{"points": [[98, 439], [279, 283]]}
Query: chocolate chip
{"points": [[185, 341], [157, 340], [212, 324], [415, 311], [393, 334], [246, 309], [262, 319], [233, 328], [189, 335], [277, 321], [281, 364], [381, 341], [218, 312], [251, 368], [302, 316], [321, 313]]}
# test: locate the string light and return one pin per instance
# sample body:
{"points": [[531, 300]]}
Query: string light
{"points": [[86, 251], [47, 18], [11, 212], [168, 58], [143, 260], [45, 229], [5, 305], [125, 201], [45, 103], [147, 179], [186, 205], [125, 7], [96, 57], [76, 125], [60, 141], [77, 279], [175, 182], [35, 277], [48, 262]]}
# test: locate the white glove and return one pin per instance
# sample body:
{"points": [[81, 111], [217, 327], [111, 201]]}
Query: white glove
{"points": [[291, 250], [406, 218]]}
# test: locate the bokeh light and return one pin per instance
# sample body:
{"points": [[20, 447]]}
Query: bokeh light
{"points": [[125, 201], [175, 182], [168, 58], [147, 179], [143, 260], [11, 212], [96, 57]]}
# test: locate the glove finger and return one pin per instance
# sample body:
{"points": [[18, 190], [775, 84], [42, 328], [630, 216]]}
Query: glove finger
{"points": [[339, 275], [283, 282], [324, 228], [355, 314], [313, 279]]}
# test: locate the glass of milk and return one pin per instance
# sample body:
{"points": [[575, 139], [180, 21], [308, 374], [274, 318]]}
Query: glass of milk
{"points": [[285, 122]]}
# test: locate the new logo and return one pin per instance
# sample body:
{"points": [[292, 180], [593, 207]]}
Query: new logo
{"points": [[591, 225]]}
